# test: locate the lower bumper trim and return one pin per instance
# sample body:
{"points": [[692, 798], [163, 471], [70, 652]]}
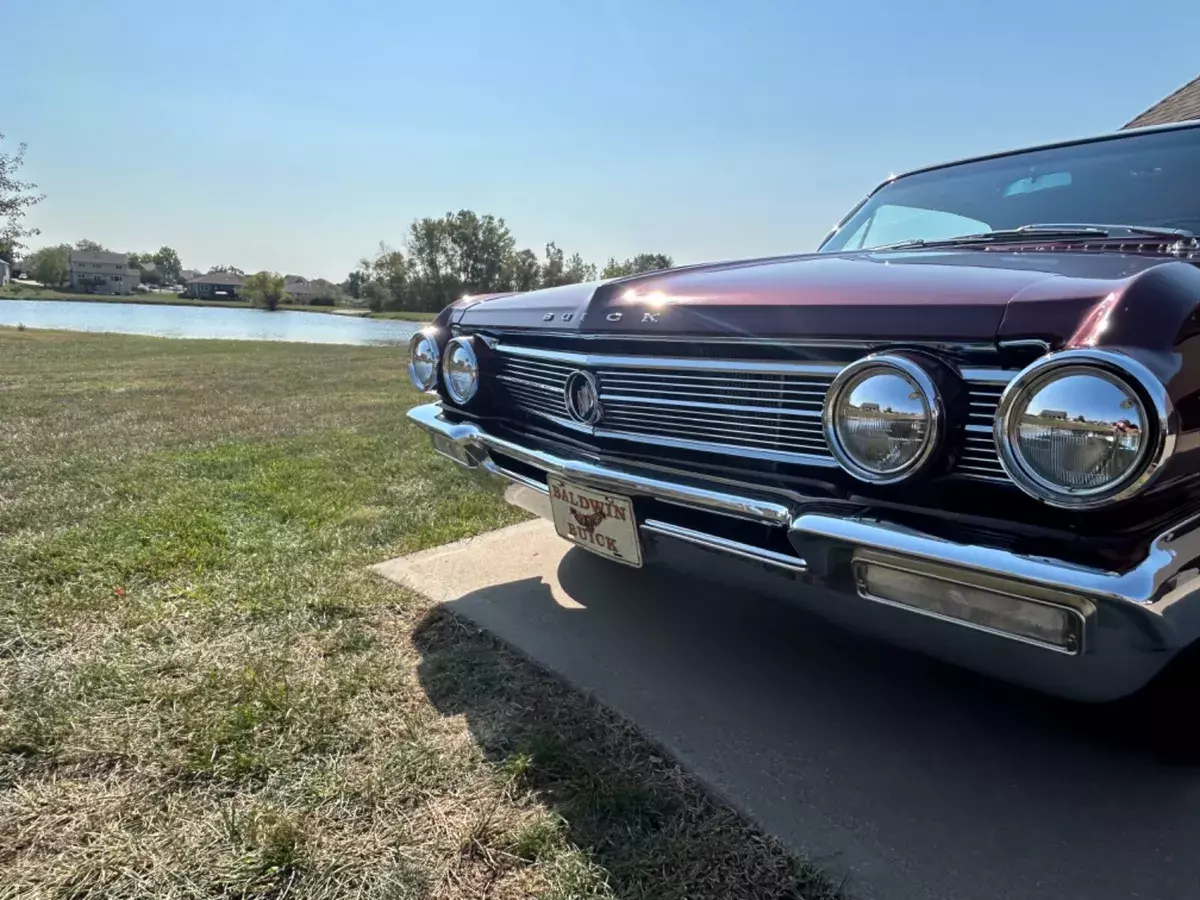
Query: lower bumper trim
{"points": [[733, 548], [1134, 620]]}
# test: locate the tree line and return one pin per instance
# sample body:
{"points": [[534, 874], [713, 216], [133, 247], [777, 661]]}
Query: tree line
{"points": [[442, 259], [467, 253]]}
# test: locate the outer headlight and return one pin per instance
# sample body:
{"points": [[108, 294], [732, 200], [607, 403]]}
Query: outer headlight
{"points": [[1083, 428], [423, 360], [460, 371], [883, 418]]}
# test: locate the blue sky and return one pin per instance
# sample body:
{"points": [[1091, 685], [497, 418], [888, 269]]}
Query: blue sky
{"points": [[297, 135]]}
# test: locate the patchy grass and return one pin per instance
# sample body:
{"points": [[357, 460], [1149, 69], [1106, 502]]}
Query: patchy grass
{"points": [[203, 693]]}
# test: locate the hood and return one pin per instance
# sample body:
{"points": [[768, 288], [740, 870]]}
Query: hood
{"points": [[958, 294]]}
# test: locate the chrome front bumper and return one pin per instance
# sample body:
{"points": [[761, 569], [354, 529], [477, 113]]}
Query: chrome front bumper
{"points": [[1134, 620]]}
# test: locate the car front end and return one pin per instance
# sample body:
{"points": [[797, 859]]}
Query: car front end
{"points": [[985, 452]]}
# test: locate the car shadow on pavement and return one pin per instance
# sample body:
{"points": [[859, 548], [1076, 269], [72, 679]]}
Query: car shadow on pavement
{"points": [[654, 830], [857, 752]]}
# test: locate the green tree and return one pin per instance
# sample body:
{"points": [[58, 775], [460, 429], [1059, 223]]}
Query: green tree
{"points": [[16, 199], [637, 265], [83, 245], [227, 270], [386, 280], [265, 289], [354, 283], [51, 265], [460, 253], [560, 269], [167, 261], [522, 271]]}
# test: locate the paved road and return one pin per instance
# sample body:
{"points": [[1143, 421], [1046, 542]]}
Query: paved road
{"points": [[917, 779]]}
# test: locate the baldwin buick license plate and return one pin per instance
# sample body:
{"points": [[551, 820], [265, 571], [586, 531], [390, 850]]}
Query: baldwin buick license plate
{"points": [[596, 520]]}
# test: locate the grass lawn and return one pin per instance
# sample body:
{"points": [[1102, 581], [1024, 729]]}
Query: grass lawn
{"points": [[203, 692]]}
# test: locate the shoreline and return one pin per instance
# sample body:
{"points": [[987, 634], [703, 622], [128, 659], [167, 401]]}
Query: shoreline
{"points": [[23, 292]]}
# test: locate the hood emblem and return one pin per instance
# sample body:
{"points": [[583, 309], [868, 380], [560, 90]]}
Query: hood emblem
{"points": [[582, 396]]}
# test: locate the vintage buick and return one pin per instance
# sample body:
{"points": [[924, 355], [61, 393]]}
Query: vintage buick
{"points": [[972, 417]]}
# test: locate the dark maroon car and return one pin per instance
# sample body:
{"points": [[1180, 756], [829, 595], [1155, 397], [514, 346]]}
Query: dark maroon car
{"points": [[972, 417]]}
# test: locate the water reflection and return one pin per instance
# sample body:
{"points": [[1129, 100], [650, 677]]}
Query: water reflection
{"points": [[205, 322]]}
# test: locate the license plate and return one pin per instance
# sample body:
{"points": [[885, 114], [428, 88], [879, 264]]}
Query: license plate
{"points": [[595, 520]]}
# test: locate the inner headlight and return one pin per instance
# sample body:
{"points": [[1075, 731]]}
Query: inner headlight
{"points": [[460, 371], [423, 360], [1076, 431], [882, 419]]}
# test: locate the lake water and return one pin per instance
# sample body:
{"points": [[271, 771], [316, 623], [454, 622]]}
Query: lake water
{"points": [[205, 322]]}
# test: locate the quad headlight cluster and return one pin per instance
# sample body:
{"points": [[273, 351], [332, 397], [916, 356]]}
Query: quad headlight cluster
{"points": [[1076, 429], [458, 366]]}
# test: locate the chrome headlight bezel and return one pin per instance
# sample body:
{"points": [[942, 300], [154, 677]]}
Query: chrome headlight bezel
{"points": [[914, 374], [1118, 369], [467, 345], [423, 336]]}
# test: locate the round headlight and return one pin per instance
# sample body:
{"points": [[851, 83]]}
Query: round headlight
{"points": [[1075, 430], [460, 371], [883, 418], [423, 360]]}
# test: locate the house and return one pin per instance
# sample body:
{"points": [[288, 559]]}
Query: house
{"points": [[101, 272], [213, 285], [306, 292], [1181, 106]]}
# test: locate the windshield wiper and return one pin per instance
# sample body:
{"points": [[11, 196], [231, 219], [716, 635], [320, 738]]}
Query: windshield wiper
{"points": [[1025, 232]]}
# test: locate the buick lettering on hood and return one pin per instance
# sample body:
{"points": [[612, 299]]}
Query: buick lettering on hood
{"points": [[968, 424]]}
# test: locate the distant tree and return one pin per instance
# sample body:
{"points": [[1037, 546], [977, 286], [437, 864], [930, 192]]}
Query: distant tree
{"points": [[389, 277], [637, 265], [265, 289], [151, 276], [50, 265], [167, 261], [83, 245], [554, 268], [522, 271], [559, 269], [227, 270], [16, 198], [461, 253]]}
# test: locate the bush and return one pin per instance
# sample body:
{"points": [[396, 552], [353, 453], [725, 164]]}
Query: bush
{"points": [[323, 301]]}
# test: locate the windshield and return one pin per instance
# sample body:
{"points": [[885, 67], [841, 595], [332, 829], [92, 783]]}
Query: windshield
{"points": [[1148, 179]]}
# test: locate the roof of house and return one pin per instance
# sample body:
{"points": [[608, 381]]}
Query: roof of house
{"points": [[1181, 106], [99, 256], [218, 278]]}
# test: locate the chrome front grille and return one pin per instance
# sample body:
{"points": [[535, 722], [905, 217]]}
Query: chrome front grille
{"points": [[979, 459], [772, 413], [535, 385], [737, 407]]}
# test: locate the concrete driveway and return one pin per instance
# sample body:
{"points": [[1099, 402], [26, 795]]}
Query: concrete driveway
{"points": [[915, 778]]}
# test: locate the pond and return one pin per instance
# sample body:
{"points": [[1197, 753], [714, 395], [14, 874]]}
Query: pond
{"points": [[205, 322]]}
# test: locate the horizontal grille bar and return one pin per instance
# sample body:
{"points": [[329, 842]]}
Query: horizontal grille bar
{"points": [[734, 407]]}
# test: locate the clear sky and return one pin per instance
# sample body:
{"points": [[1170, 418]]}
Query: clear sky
{"points": [[297, 135]]}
